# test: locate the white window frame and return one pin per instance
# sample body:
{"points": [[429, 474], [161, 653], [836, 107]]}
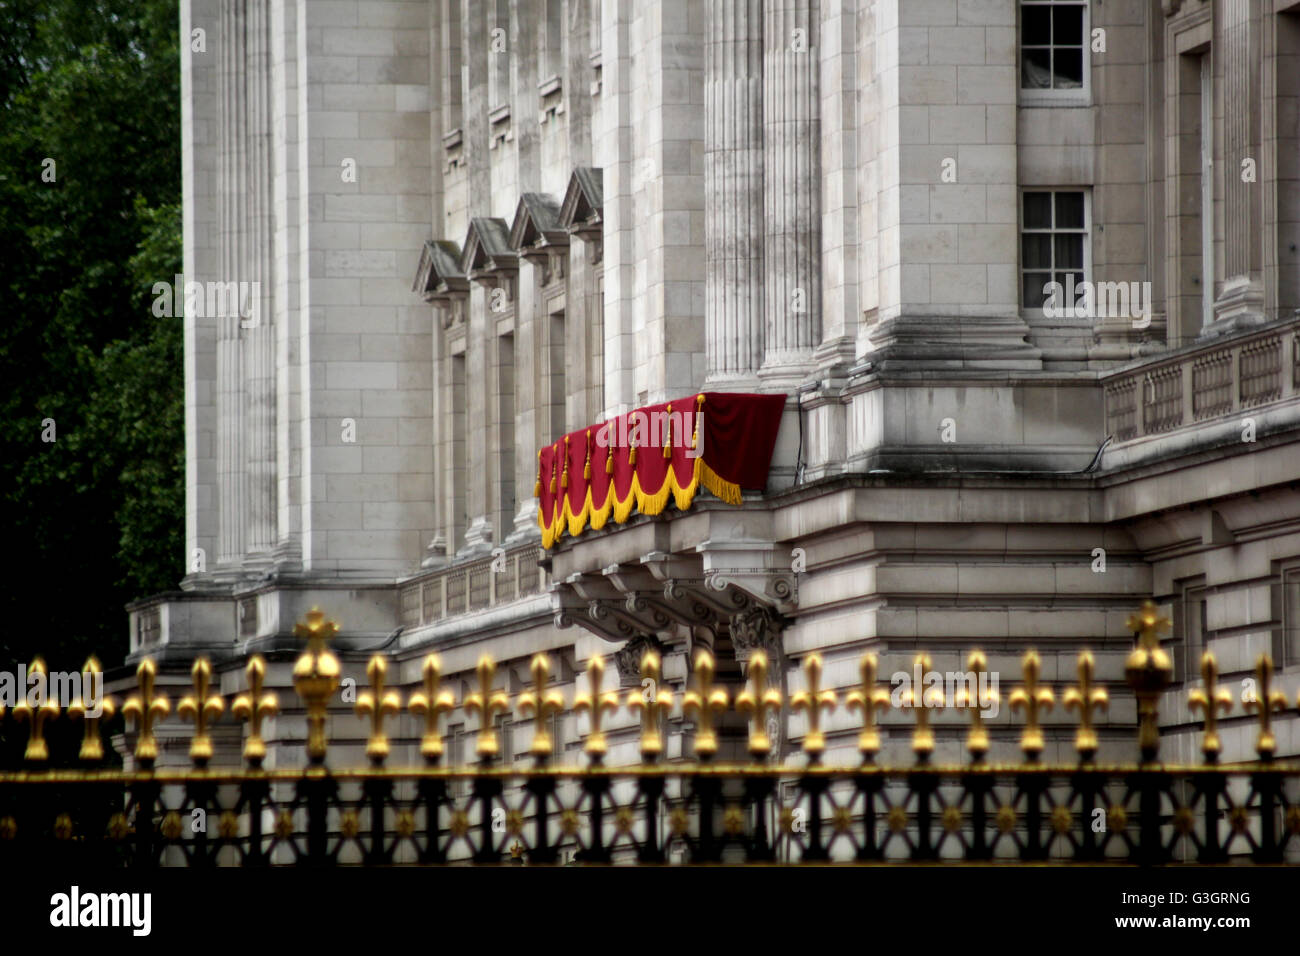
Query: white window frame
{"points": [[1037, 312], [1077, 97]]}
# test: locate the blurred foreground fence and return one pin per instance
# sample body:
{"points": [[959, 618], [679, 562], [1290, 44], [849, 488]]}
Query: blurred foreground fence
{"points": [[705, 811]]}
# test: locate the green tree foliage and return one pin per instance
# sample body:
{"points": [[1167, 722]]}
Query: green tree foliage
{"points": [[94, 519]]}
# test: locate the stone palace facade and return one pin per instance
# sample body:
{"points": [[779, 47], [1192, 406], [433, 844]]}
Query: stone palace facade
{"points": [[473, 226]]}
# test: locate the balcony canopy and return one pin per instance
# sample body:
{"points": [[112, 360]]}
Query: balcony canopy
{"points": [[640, 460]]}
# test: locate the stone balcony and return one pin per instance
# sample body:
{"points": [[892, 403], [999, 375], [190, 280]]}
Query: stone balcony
{"points": [[1237, 390], [501, 578]]}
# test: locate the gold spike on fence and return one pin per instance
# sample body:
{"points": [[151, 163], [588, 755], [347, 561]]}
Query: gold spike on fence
{"points": [[316, 677]]}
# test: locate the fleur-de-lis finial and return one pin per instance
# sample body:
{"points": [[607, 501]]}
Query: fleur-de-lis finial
{"points": [[704, 701], [200, 707], [1266, 701], [1209, 699], [922, 700], [1032, 698], [377, 703], [144, 708], [812, 699], [1148, 624], [1149, 671], [1085, 698], [45, 709], [92, 683], [759, 700], [868, 698], [486, 703], [539, 704], [429, 703], [977, 738], [595, 704], [254, 706], [654, 700], [315, 678]]}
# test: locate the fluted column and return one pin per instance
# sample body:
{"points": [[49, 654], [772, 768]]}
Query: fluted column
{"points": [[791, 189], [259, 334], [733, 190], [231, 477]]}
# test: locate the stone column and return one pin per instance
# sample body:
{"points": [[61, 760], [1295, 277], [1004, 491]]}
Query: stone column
{"points": [[256, 310], [231, 477], [733, 191], [1241, 300], [791, 191]]}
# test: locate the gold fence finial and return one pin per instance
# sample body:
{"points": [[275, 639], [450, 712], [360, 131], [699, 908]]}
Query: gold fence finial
{"points": [[45, 710], [92, 744], [486, 703], [1149, 671], [254, 706], [921, 701], [977, 738], [1209, 699], [200, 707], [1032, 698], [144, 708], [654, 700], [315, 678], [596, 703], [1265, 702], [759, 700], [812, 700], [1085, 697], [377, 703], [868, 698], [704, 701], [539, 704], [430, 702]]}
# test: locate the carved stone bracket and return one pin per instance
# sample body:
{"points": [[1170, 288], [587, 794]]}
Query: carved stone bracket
{"points": [[758, 629], [628, 659]]}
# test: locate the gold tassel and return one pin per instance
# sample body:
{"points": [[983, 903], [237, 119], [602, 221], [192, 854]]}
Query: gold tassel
{"points": [[557, 451], [537, 488], [699, 410], [631, 456], [609, 449], [668, 434], [586, 469], [564, 477]]}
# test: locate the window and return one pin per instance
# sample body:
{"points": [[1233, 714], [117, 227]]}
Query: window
{"points": [[550, 61], [1188, 651], [1053, 245], [506, 428], [1290, 650], [459, 450], [558, 392], [1054, 49]]}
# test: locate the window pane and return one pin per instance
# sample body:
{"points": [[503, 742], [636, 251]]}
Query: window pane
{"points": [[1067, 25], [1036, 251], [1069, 252], [1036, 70], [1069, 210], [1038, 210], [1068, 74], [1031, 294], [1035, 26]]}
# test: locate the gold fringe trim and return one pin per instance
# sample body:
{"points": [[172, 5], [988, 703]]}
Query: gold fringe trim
{"points": [[646, 503]]}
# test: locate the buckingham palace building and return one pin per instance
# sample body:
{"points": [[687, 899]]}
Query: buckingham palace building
{"points": [[593, 327]]}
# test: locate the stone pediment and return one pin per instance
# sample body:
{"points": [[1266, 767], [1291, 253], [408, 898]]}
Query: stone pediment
{"points": [[537, 228], [438, 276], [488, 250], [581, 211]]}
